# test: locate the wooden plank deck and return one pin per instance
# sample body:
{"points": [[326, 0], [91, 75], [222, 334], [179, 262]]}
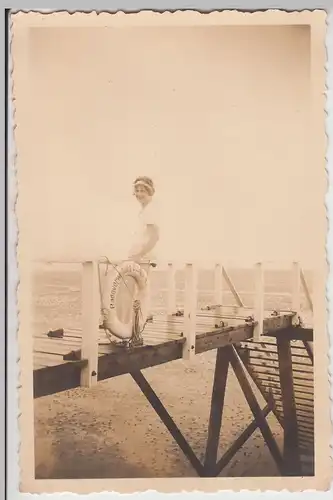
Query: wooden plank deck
{"points": [[55, 370]]}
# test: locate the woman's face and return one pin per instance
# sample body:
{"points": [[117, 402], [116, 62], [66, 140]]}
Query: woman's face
{"points": [[141, 194]]}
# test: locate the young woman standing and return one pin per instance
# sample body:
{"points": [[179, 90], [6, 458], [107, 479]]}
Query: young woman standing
{"points": [[143, 248]]}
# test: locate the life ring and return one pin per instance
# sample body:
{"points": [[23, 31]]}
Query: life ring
{"points": [[111, 321]]}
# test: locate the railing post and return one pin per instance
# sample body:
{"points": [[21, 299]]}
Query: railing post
{"points": [[296, 290], [190, 311], [90, 322], [171, 293], [259, 304], [218, 290]]}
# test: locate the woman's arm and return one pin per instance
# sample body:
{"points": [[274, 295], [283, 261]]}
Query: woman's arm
{"points": [[152, 239]]}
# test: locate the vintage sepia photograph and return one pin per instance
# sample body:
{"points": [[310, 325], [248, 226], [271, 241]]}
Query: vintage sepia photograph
{"points": [[171, 184]]}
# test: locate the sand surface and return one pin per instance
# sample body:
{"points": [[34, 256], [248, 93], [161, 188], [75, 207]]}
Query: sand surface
{"points": [[111, 431]]}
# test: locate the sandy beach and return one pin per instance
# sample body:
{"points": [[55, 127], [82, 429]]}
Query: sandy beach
{"points": [[111, 431]]}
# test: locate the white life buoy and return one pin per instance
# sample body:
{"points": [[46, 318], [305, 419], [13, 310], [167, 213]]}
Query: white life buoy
{"points": [[117, 275]]}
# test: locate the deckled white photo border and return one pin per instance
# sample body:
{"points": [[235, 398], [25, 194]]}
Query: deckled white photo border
{"points": [[170, 485]]}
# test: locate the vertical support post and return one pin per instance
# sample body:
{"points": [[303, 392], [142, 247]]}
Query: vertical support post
{"points": [[259, 305], [216, 410], [296, 290], [291, 455], [218, 290], [90, 323], [171, 298], [190, 311], [218, 284]]}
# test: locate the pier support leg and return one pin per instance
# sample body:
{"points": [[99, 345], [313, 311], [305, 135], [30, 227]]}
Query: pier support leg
{"points": [[291, 455], [226, 357], [216, 411]]}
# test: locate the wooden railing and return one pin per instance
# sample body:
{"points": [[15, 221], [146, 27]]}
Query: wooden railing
{"points": [[91, 306]]}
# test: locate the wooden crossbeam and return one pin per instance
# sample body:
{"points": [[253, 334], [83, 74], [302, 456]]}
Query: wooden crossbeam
{"points": [[167, 420], [255, 408], [293, 333], [217, 403]]}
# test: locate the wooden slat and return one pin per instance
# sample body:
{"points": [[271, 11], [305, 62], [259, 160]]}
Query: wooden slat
{"points": [[273, 377], [273, 363], [56, 346], [307, 441], [270, 347], [45, 360], [299, 395], [307, 415], [308, 425], [304, 406], [54, 341], [273, 370], [300, 359], [277, 385]]}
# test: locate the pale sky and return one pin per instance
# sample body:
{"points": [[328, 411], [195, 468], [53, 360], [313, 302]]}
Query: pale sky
{"points": [[217, 116]]}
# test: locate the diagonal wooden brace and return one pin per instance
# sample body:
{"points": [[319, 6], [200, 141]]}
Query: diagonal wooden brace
{"points": [[168, 421], [255, 408]]}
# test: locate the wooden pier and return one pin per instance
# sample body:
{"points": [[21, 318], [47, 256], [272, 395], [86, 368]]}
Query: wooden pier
{"points": [[271, 348]]}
